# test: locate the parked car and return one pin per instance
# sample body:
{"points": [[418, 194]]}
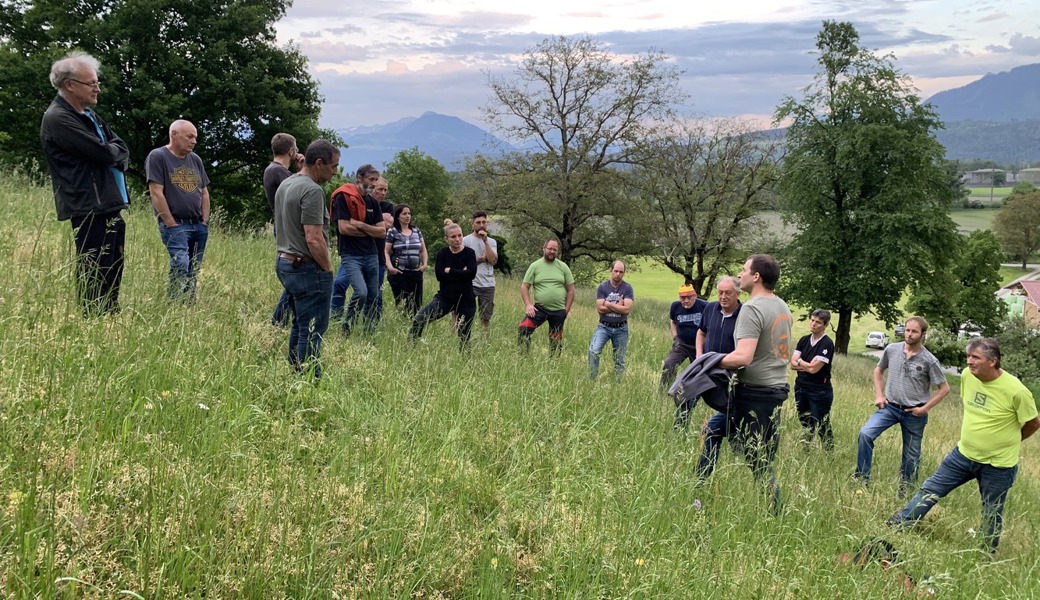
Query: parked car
{"points": [[900, 330], [877, 339]]}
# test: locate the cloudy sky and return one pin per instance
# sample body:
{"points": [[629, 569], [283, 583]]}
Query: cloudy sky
{"points": [[383, 60]]}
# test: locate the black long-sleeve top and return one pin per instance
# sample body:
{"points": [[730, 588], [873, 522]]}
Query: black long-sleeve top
{"points": [[456, 271]]}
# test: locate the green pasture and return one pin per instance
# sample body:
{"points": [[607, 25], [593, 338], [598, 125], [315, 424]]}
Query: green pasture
{"points": [[984, 192], [170, 452]]}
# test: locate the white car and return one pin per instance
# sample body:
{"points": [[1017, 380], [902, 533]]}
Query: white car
{"points": [[877, 339]]}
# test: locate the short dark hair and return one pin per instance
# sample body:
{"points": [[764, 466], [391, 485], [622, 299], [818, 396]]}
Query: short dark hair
{"points": [[920, 321], [365, 170], [767, 268], [322, 150], [478, 214], [822, 314], [989, 347], [282, 143]]}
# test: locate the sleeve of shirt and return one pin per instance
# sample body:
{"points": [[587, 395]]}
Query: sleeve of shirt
{"points": [[154, 168], [312, 207], [883, 361], [203, 177], [339, 207], [749, 323], [568, 278], [529, 275], [601, 292], [826, 350], [935, 373], [705, 317], [1025, 406], [630, 291]]}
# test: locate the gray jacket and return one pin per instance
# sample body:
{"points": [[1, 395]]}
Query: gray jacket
{"points": [[703, 379]]}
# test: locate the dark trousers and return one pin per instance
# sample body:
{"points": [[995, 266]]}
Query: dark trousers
{"points": [[407, 287], [681, 351], [754, 426], [100, 240], [556, 319], [814, 411], [437, 308]]}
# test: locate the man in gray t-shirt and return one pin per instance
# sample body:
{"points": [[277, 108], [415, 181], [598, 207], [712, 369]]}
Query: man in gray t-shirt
{"points": [[301, 222], [179, 189], [486, 249], [763, 347], [904, 399]]}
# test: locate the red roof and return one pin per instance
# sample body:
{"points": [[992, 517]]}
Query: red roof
{"points": [[1032, 289]]}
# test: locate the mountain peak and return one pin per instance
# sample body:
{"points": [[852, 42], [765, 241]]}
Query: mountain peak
{"points": [[1006, 96]]}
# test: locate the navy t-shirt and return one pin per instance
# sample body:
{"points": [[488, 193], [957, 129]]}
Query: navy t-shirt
{"points": [[824, 349], [718, 329], [687, 320]]}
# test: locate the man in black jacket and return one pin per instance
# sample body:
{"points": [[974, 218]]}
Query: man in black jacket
{"points": [[87, 161]]}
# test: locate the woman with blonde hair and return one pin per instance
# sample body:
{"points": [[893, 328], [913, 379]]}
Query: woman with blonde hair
{"points": [[456, 266]]}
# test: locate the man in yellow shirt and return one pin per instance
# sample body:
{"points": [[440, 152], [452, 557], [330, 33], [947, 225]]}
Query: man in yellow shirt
{"points": [[999, 412]]}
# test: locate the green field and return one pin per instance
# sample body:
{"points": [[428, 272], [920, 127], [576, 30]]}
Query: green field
{"points": [[170, 452]]}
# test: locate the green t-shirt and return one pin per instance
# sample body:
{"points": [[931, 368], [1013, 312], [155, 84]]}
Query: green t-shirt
{"points": [[298, 202], [994, 413], [768, 320], [549, 281]]}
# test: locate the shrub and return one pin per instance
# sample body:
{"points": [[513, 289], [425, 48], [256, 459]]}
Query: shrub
{"points": [[947, 347]]}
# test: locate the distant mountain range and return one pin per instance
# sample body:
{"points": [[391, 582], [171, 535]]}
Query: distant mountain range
{"points": [[994, 118], [445, 138]]}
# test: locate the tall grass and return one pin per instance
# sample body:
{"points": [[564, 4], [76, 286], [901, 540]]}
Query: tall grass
{"points": [[169, 452]]}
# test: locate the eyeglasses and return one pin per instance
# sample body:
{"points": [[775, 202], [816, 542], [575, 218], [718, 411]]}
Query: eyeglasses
{"points": [[90, 84]]}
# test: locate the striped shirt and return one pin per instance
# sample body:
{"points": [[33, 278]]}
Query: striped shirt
{"points": [[405, 250]]}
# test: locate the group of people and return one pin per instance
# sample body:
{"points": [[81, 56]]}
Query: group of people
{"points": [[87, 162], [376, 240], [752, 342]]}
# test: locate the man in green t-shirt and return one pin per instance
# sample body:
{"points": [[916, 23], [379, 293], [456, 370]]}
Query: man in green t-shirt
{"points": [[552, 285], [763, 348], [999, 412]]}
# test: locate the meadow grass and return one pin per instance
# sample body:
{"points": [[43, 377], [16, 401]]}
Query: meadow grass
{"points": [[170, 452]]}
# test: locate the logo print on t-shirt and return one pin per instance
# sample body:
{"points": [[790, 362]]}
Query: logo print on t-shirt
{"points": [[186, 179], [979, 400], [779, 332]]}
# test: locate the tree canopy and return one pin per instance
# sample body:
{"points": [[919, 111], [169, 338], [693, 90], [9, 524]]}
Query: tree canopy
{"points": [[704, 188], [584, 111], [217, 65], [1017, 224], [420, 181], [863, 181]]}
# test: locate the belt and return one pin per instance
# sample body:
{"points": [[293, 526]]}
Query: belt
{"points": [[614, 325], [296, 258], [187, 221]]}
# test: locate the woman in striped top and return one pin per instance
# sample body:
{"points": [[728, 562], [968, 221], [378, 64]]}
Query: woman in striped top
{"points": [[406, 258]]}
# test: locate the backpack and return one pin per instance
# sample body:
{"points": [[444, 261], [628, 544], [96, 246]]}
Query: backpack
{"points": [[354, 200]]}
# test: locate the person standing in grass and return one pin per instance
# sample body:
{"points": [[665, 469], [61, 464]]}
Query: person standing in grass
{"points": [[999, 412], [684, 318], [455, 267], [179, 189], [303, 265], [614, 299], [763, 346], [386, 209], [405, 255], [486, 249], [286, 154], [359, 223], [813, 393], [548, 293], [714, 335], [86, 160], [904, 400]]}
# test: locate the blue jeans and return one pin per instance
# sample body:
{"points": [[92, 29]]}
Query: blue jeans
{"points": [[186, 244], [310, 291], [360, 272], [956, 470], [913, 432], [814, 411], [714, 432], [282, 313], [618, 338]]}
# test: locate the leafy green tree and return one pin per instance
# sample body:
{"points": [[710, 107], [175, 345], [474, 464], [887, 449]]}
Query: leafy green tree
{"points": [[997, 179], [965, 293], [704, 188], [864, 183], [420, 181], [586, 111], [1017, 224], [218, 66]]}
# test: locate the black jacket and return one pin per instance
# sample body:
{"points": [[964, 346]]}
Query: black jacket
{"points": [[704, 378], [79, 163]]}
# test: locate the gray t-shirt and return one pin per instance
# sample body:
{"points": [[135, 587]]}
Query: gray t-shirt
{"points": [[182, 179], [298, 202], [768, 320], [485, 271], [607, 291], [910, 382]]}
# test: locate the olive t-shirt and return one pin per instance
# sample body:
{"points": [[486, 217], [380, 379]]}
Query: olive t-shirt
{"points": [[298, 202], [768, 320]]}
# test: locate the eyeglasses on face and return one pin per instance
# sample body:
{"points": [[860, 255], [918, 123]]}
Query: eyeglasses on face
{"points": [[90, 84]]}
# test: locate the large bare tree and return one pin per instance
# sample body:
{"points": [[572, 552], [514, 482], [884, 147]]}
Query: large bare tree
{"points": [[582, 111]]}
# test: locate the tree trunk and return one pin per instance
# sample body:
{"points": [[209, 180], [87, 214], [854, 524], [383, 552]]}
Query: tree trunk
{"points": [[841, 337]]}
